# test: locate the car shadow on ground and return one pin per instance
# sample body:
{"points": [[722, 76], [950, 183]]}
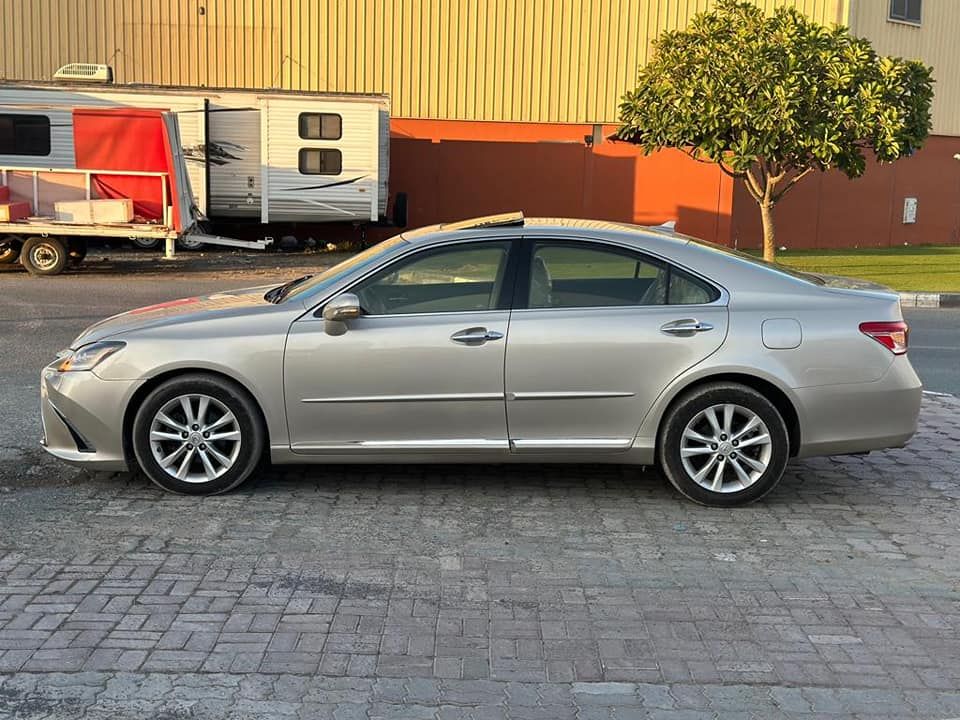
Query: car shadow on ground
{"points": [[519, 481]]}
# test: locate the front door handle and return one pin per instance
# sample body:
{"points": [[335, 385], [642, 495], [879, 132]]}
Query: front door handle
{"points": [[475, 336], [687, 326]]}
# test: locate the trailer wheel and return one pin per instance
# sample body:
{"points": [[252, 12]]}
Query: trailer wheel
{"points": [[76, 250], [44, 255], [10, 249], [147, 243], [188, 243]]}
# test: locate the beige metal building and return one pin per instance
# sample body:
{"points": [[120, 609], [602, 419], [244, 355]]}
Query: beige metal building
{"points": [[522, 71]]}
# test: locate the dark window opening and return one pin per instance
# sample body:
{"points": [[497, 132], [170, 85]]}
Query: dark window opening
{"points": [[906, 10], [566, 275], [24, 135], [320, 162], [320, 126]]}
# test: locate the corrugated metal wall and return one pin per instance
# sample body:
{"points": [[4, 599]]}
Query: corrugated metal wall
{"points": [[935, 41], [525, 60]]}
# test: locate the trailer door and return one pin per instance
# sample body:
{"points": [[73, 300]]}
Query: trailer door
{"points": [[183, 216]]}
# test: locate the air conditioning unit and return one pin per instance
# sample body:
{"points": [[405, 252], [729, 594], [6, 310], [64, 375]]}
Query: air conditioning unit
{"points": [[88, 72]]}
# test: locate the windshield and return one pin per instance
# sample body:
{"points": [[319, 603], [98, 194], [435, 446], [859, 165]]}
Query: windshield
{"points": [[328, 277]]}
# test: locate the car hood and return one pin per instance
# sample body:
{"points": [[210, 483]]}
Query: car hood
{"points": [[191, 309]]}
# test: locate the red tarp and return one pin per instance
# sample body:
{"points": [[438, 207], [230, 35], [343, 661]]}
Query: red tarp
{"points": [[124, 139]]}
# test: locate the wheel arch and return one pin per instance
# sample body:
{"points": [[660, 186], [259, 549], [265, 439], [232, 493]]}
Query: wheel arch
{"points": [[140, 394], [770, 390]]}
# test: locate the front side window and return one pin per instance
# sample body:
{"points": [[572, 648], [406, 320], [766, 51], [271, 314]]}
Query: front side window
{"points": [[320, 126], [457, 279], [24, 134], [563, 275], [906, 10], [314, 161]]}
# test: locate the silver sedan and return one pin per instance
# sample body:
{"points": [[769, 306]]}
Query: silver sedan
{"points": [[500, 339]]}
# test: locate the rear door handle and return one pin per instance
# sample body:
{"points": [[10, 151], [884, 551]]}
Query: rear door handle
{"points": [[475, 336], [687, 326]]}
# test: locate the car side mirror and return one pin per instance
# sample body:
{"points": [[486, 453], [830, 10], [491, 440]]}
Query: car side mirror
{"points": [[340, 309]]}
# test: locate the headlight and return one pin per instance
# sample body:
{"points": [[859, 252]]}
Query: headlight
{"points": [[88, 356]]}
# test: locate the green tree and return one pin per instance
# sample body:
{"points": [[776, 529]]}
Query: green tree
{"points": [[772, 98]]}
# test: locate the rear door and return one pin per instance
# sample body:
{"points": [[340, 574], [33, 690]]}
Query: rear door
{"points": [[596, 333]]}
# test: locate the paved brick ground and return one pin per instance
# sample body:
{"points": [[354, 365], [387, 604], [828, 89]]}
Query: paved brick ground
{"points": [[489, 592]]}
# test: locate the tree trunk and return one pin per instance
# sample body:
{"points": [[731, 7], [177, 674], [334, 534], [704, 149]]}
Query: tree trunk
{"points": [[769, 232]]}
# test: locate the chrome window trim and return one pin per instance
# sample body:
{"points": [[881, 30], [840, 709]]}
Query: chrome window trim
{"points": [[313, 308]]}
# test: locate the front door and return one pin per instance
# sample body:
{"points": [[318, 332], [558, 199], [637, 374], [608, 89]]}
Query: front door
{"points": [[420, 370], [597, 333]]}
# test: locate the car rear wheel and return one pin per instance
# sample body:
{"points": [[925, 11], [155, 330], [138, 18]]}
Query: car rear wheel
{"points": [[198, 435], [724, 444]]}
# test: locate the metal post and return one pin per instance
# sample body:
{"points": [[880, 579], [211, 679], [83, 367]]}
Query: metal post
{"points": [[87, 176], [169, 249], [36, 194], [163, 203]]}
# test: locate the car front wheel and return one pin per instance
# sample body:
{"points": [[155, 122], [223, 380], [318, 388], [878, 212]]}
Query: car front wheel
{"points": [[198, 435], [724, 444]]}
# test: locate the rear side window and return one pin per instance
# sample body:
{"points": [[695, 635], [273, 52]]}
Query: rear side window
{"points": [[314, 161], [24, 135], [579, 275]]}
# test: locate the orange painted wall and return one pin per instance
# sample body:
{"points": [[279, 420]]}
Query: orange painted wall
{"points": [[827, 210], [457, 169]]}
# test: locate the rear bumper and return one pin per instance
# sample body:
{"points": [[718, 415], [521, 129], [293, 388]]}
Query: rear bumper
{"points": [[82, 418], [859, 417]]}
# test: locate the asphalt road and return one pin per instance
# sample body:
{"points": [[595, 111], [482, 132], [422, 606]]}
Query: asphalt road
{"points": [[40, 316], [935, 347]]}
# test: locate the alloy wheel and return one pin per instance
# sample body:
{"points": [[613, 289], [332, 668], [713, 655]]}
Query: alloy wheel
{"points": [[195, 438], [725, 448]]}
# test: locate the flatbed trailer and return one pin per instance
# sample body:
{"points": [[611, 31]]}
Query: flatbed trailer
{"points": [[31, 233]]}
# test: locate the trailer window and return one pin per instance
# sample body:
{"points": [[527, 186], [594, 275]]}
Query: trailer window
{"points": [[320, 162], [24, 134], [321, 126]]}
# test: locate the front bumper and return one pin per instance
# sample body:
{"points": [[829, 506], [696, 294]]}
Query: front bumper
{"points": [[82, 418], [859, 417]]}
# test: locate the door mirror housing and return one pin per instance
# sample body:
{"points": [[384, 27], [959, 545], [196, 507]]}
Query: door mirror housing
{"points": [[340, 309]]}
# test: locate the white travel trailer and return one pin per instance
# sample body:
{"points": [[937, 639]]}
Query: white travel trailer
{"points": [[258, 156]]}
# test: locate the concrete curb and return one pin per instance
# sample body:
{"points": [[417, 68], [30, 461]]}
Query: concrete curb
{"points": [[930, 300]]}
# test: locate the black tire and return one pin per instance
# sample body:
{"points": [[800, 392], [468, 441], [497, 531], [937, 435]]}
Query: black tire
{"points": [[146, 243], [230, 395], [44, 255], [76, 251], [189, 244], [700, 399], [10, 249]]}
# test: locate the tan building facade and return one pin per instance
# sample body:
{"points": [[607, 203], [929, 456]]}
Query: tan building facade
{"points": [[497, 83]]}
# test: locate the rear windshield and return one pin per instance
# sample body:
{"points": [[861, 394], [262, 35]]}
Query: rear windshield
{"points": [[792, 272]]}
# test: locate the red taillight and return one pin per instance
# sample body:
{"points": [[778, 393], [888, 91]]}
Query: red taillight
{"points": [[892, 335]]}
